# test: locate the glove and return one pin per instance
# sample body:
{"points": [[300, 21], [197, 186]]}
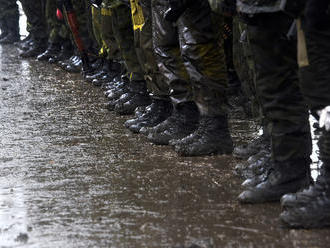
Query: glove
{"points": [[176, 9], [324, 120], [96, 3], [316, 14]]}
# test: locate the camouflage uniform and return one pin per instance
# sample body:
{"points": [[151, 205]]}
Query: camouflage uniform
{"points": [[109, 44], [96, 24], [122, 28], [142, 23], [83, 13], [57, 29], [190, 58]]}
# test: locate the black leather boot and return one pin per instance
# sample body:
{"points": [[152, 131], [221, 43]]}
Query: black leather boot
{"points": [[38, 47], [154, 114], [245, 151], [53, 50], [211, 137], [182, 122], [139, 97], [285, 177]]}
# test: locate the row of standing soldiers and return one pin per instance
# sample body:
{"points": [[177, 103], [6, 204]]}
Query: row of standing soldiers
{"points": [[171, 63]]}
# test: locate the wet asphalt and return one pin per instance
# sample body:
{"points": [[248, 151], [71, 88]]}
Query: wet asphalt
{"points": [[72, 176]]}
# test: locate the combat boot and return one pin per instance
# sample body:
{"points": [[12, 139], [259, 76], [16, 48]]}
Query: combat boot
{"points": [[300, 199], [52, 51], [112, 71], [139, 111], [211, 137], [98, 73], [315, 214], [63, 64], [252, 148], [116, 88], [182, 122], [122, 99], [25, 43], [308, 208], [66, 51], [139, 97], [37, 47], [283, 178], [117, 91], [154, 114], [75, 66], [257, 172]]}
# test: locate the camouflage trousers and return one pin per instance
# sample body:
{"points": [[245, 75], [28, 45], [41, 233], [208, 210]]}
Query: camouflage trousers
{"points": [[56, 28], [191, 56], [142, 23], [123, 32], [109, 44]]}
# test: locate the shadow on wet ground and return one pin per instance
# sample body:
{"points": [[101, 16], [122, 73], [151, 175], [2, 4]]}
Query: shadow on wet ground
{"points": [[72, 176]]}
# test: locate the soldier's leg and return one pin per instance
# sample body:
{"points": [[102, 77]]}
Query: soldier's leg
{"points": [[184, 118], [201, 36], [54, 26], [111, 67], [35, 13], [96, 24], [284, 107], [310, 208], [123, 32], [257, 151], [160, 109], [9, 18], [82, 13]]}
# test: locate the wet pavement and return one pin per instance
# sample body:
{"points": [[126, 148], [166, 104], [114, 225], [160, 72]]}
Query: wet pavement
{"points": [[72, 176]]}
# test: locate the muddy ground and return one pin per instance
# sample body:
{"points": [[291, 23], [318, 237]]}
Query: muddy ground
{"points": [[72, 176]]}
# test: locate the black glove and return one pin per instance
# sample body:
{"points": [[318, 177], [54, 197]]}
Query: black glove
{"points": [[316, 13], [96, 3], [176, 9]]}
